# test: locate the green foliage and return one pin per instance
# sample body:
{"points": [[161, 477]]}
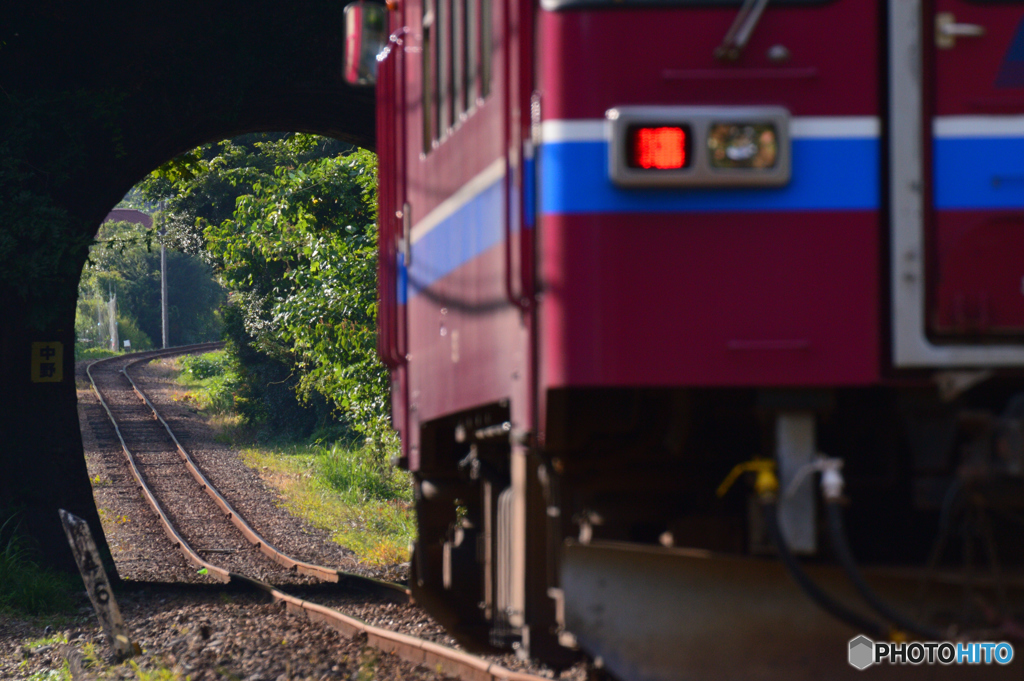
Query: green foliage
{"points": [[158, 674], [92, 329], [349, 491], [205, 366], [320, 302], [128, 330], [201, 187], [369, 659], [100, 668], [289, 223], [136, 200], [83, 353], [212, 380], [61, 674], [361, 474], [125, 262], [266, 399], [25, 587]]}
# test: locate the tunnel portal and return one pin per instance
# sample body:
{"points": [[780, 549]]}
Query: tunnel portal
{"points": [[92, 97]]}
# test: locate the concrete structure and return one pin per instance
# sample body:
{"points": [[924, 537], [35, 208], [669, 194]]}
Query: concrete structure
{"points": [[93, 97]]}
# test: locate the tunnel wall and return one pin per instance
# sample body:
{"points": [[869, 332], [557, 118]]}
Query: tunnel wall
{"points": [[92, 99]]}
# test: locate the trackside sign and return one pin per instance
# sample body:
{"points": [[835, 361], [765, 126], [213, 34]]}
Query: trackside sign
{"points": [[864, 652]]}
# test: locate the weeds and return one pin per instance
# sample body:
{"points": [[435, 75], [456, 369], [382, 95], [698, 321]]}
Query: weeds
{"points": [[368, 661], [156, 674], [361, 474], [83, 353], [212, 381], [62, 674], [98, 669], [55, 639], [351, 492], [25, 587]]}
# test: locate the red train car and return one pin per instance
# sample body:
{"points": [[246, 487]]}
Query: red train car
{"points": [[626, 246]]}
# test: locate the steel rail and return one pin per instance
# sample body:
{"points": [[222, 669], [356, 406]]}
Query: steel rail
{"points": [[434, 656], [409, 648], [326, 574], [215, 571]]}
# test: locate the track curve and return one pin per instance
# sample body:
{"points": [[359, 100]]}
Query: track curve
{"points": [[160, 450]]}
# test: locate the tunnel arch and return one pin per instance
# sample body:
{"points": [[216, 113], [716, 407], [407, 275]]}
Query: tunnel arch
{"points": [[92, 99]]}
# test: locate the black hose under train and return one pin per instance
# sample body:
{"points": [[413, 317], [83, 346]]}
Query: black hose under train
{"points": [[837, 534], [809, 587]]}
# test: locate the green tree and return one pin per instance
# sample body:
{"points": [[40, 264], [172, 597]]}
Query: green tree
{"points": [[125, 261], [297, 249], [311, 228]]}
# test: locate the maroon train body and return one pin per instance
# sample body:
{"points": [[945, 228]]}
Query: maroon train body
{"points": [[825, 255]]}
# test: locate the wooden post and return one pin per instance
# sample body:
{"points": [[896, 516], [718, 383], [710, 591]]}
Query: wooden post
{"points": [[96, 583]]}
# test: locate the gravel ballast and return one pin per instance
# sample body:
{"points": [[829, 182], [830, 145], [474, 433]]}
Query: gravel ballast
{"points": [[205, 631]]}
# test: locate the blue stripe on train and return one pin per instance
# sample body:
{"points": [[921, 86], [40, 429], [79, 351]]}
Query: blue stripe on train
{"points": [[473, 229], [979, 173], [402, 273], [827, 174]]}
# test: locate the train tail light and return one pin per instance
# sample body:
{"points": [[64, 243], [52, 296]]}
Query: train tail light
{"points": [[699, 146], [662, 148]]}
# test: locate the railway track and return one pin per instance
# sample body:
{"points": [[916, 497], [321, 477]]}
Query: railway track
{"points": [[215, 538]]}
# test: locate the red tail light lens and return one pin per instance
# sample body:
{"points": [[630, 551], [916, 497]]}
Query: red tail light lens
{"points": [[661, 148]]}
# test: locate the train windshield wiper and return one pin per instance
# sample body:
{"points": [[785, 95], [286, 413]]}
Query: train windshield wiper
{"points": [[739, 33]]}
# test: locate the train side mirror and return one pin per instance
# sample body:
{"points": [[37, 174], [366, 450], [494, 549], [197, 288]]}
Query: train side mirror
{"points": [[366, 34]]}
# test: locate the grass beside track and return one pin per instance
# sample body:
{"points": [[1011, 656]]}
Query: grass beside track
{"points": [[82, 353], [25, 587], [347, 489], [364, 505], [96, 665]]}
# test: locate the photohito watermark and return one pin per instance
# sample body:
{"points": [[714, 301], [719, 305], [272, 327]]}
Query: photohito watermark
{"points": [[864, 652]]}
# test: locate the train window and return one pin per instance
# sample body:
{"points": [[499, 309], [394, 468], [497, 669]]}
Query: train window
{"points": [[470, 40], [444, 62], [457, 44], [570, 4], [427, 76], [458, 58], [486, 40]]}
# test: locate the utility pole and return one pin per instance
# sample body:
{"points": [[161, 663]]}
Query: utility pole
{"points": [[163, 285], [112, 320]]}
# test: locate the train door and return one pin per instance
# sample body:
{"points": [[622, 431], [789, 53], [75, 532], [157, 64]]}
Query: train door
{"points": [[975, 221], [469, 314]]}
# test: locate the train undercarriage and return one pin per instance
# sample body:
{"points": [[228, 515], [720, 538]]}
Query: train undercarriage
{"points": [[635, 553]]}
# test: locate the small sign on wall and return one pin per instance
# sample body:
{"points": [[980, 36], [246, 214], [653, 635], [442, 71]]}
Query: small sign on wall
{"points": [[48, 362]]}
